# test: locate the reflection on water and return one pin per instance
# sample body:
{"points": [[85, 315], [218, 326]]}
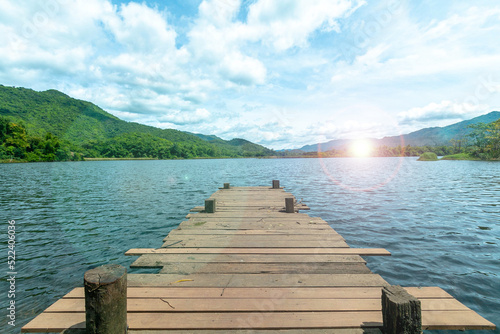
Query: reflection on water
{"points": [[440, 220]]}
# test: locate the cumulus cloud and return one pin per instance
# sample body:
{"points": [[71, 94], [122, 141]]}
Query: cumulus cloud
{"points": [[140, 29], [287, 23]]}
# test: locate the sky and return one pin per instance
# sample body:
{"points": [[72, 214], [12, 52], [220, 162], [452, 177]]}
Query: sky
{"points": [[281, 73]]}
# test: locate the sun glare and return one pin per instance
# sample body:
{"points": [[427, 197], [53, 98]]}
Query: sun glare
{"points": [[361, 148]]}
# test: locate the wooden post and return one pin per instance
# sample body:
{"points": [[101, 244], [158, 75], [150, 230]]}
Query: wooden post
{"points": [[227, 186], [276, 184], [210, 205], [289, 208], [401, 311], [106, 299]]}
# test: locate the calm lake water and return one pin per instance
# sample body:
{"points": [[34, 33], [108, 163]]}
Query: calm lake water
{"points": [[440, 220]]}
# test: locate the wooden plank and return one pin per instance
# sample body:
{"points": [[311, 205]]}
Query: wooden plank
{"points": [[249, 214], [57, 322], [259, 219], [229, 305], [458, 320], [67, 305], [54, 322], [254, 244], [253, 237], [239, 208], [268, 216], [270, 268], [247, 205], [298, 251], [257, 280], [254, 226], [247, 258], [264, 331], [428, 292], [264, 293], [202, 231]]}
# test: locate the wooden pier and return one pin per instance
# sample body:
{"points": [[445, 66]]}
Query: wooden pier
{"points": [[256, 265]]}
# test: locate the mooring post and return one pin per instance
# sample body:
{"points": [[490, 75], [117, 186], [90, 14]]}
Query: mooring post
{"points": [[210, 205], [289, 208], [401, 311], [276, 184], [227, 186], [106, 299]]}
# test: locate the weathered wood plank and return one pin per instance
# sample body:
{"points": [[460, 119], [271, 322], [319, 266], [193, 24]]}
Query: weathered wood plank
{"points": [[259, 268], [56, 322], [258, 280], [274, 293], [203, 231], [298, 251], [224, 320], [248, 214], [161, 259], [254, 226], [458, 320], [72, 305], [254, 244], [259, 219], [262, 331], [254, 237]]}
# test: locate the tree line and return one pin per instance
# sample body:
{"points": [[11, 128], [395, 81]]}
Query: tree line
{"points": [[16, 144], [482, 141]]}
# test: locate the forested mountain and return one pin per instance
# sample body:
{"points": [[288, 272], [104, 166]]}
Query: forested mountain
{"points": [[91, 131], [435, 136]]}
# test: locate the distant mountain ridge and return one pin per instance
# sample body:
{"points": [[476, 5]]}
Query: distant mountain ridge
{"points": [[434, 136], [80, 122]]}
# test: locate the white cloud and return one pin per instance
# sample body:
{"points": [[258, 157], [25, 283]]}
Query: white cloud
{"points": [[443, 111], [141, 29], [242, 69], [181, 118], [288, 23]]}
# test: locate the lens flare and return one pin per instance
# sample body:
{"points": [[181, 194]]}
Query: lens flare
{"points": [[361, 148]]}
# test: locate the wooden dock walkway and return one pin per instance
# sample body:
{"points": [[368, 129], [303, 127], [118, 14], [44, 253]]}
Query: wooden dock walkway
{"points": [[251, 267]]}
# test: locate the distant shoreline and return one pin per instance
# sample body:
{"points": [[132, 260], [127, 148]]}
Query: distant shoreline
{"points": [[449, 158]]}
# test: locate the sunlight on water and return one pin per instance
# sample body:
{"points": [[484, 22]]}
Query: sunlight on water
{"points": [[361, 174]]}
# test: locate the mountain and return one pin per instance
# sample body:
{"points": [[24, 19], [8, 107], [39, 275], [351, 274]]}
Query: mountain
{"points": [[435, 136], [83, 123]]}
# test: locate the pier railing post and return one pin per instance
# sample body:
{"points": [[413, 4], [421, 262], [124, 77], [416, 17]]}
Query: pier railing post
{"points": [[401, 311], [106, 300], [227, 186], [289, 205], [276, 184], [210, 205]]}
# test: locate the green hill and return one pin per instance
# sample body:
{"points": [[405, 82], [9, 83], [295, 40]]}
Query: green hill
{"points": [[435, 136], [96, 133]]}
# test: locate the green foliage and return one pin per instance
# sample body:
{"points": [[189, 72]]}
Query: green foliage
{"points": [[459, 156], [90, 131], [428, 156], [485, 140], [16, 144]]}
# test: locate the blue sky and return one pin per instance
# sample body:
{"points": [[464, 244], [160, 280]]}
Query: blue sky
{"points": [[282, 73]]}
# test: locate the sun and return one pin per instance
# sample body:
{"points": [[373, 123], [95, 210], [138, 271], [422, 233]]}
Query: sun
{"points": [[361, 148]]}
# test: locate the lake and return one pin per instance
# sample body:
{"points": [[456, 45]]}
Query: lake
{"points": [[440, 220]]}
